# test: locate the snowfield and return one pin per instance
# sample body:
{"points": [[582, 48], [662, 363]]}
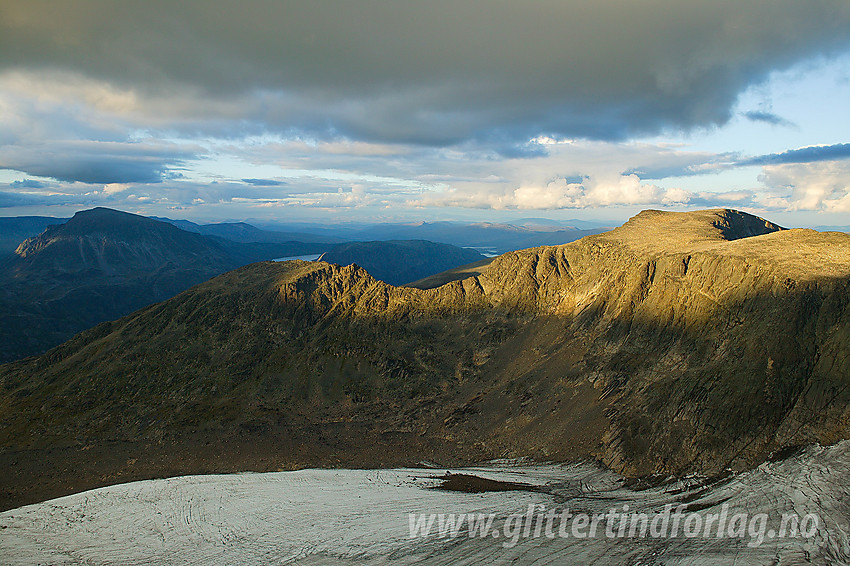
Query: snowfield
{"points": [[362, 517]]}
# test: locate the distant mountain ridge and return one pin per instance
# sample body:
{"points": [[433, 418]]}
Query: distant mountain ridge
{"points": [[677, 343], [401, 261], [247, 233], [498, 237]]}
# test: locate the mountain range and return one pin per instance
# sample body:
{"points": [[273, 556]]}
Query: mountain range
{"points": [[102, 264], [247, 233], [678, 343], [489, 237]]}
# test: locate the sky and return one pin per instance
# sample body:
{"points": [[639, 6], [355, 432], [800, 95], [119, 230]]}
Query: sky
{"points": [[396, 110]]}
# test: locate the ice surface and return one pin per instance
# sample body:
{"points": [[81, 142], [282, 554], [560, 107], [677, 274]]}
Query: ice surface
{"points": [[361, 517]]}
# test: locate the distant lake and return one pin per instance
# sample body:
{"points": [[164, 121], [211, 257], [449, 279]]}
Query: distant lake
{"points": [[486, 252], [310, 257]]}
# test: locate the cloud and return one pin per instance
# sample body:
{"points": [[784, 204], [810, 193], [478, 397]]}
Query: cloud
{"points": [[75, 130], [810, 154], [685, 164], [566, 174], [682, 164], [816, 185], [767, 118], [29, 184], [263, 182], [12, 200], [382, 104], [130, 195], [94, 162], [434, 73], [561, 193]]}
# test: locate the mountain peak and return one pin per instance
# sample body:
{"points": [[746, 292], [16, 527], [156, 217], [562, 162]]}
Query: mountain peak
{"points": [[108, 219], [88, 227], [660, 230]]}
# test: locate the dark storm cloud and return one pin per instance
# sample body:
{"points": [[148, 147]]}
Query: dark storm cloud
{"points": [[436, 72], [95, 162]]}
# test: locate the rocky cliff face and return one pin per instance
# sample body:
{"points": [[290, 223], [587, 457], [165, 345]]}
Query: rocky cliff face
{"points": [[679, 342]]}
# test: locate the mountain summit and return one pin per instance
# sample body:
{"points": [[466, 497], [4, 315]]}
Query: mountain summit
{"points": [[117, 243], [679, 342]]}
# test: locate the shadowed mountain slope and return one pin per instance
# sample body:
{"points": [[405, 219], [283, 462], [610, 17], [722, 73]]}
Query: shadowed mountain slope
{"points": [[679, 342], [103, 264], [463, 272]]}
